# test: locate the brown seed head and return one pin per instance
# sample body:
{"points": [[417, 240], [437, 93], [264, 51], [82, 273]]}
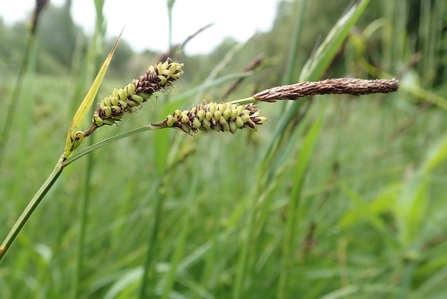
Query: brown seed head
{"points": [[128, 99]]}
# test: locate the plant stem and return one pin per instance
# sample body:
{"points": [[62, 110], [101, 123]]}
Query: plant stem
{"points": [[148, 271], [15, 97], [77, 277], [29, 210], [105, 142], [243, 262]]}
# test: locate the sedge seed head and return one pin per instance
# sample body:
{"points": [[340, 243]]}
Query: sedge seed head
{"points": [[206, 117], [130, 98]]}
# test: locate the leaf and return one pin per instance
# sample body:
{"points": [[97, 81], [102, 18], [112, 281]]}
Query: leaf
{"points": [[83, 109], [316, 66]]}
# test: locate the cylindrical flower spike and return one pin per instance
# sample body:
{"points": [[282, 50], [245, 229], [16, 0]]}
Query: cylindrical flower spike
{"points": [[351, 86], [225, 117], [129, 98]]}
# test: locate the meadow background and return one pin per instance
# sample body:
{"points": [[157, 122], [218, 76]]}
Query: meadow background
{"points": [[334, 197]]}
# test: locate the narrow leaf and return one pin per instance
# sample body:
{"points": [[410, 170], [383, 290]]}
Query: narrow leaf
{"points": [[83, 109]]}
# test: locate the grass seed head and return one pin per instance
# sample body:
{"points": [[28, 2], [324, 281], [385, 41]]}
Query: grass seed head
{"points": [[225, 117], [130, 98]]}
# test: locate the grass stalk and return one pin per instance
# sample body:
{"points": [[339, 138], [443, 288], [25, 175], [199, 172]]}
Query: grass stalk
{"points": [[92, 59], [83, 219], [179, 248], [293, 217], [293, 49], [29, 210], [242, 264], [149, 264], [11, 110]]}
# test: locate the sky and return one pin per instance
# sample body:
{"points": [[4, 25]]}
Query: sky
{"points": [[146, 21]]}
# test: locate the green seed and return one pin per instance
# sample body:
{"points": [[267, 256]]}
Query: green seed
{"points": [[144, 95], [115, 92], [107, 111], [206, 123], [185, 119], [130, 88], [132, 103], [227, 114], [114, 100], [261, 119], [170, 121], [217, 127], [239, 122], [208, 115], [201, 114], [186, 128], [122, 104], [97, 120], [167, 73], [212, 108], [240, 109], [233, 126], [137, 98], [116, 109], [197, 124], [107, 101], [245, 117], [109, 122], [163, 80]]}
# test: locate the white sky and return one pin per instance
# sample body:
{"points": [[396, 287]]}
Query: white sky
{"points": [[147, 22]]}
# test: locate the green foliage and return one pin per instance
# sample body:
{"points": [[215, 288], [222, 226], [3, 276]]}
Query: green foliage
{"points": [[350, 202]]}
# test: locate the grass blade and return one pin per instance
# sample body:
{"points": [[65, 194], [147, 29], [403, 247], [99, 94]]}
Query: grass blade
{"points": [[293, 213], [83, 109]]}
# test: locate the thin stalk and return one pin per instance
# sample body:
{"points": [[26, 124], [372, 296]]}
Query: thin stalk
{"points": [[148, 270], [105, 142], [291, 58], [180, 246], [15, 97], [93, 63], [170, 5], [29, 210], [294, 216], [82, 228], [243, 257]]}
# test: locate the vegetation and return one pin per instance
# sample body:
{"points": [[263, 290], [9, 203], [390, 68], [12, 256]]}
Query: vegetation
{"points": [[334, 197]]}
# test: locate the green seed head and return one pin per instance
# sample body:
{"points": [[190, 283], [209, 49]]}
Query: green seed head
{"points": [[205, 117], [129, 98]]}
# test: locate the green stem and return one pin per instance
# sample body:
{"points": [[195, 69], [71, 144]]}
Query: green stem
{"points": [[105, 142], [293, 49], [245, 101], [29, 210], [152, 244], [15, 97], [243, 263], [170, 4], [82, 228]]}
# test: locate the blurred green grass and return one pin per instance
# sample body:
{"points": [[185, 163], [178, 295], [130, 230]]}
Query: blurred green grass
{"points": [[371, 210], [361, 150]]}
